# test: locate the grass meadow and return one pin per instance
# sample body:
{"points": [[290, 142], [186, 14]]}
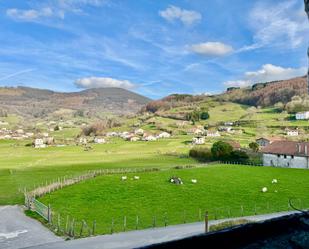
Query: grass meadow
{"points": [[25, 167], [220, 189]]}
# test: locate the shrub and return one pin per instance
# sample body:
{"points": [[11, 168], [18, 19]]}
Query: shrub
{"points": [[239, 156], [204, 115], [254, 146], [202, 153], [221, 150]]}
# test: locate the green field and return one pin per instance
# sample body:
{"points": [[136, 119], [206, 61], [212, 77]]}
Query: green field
{"points": [[25, 167], [221, 189]]}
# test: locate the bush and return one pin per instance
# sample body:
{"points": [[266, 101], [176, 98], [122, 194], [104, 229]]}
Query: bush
{"points": [[221, 150], [254, 146], [204, 115], [239, 156], [203, 154]]}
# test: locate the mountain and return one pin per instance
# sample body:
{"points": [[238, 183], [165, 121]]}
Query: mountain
{"points": [[261, 94], [32, 102], [268, 93]]}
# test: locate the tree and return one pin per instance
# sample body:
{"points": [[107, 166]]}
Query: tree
{"points": [[221, 150], [254, 146], [193, 116], [204, 115]]}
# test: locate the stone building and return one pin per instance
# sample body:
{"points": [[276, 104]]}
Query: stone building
{"points": [[286, 154]]}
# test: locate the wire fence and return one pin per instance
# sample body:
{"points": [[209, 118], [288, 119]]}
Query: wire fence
{"points": [[67, 225], [241, 163]]}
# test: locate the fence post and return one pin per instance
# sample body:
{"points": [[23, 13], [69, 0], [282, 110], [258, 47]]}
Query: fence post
{"points": [[49, 214], [112, 226], [206, 222], [94, 225], [165, 219], [124, 223], [154, 221], [200, 214], [242, 210], [136, 222], [66, 224], [255, 213], [184, 216]]}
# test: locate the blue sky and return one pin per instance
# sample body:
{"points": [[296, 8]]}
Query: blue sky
{"points": [[153, 47]]}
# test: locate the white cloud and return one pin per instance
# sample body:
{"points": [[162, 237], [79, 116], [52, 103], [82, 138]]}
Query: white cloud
{"points": [[267, 73], [211, 48], [29, 14], [99, 82], [56, 9], [278, 24], [187, 17]]}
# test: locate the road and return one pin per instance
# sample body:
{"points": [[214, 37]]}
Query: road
{"points": [[19, 231], [141, 238]]}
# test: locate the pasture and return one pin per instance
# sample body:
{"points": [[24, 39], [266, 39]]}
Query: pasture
{"points": [[25, 167], [223, 190]]}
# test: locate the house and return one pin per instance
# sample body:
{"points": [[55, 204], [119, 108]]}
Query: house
{"points": [[234, 144], [287, 154], [112, 134], [213, 134], [262, 142], [39, 143], [292, 133], [82, 140], [164, 135], [139, 132], [134, 139], [150, 138], [99, 140], [229, 123], [302, 115], [198, 140], [226, 128]]}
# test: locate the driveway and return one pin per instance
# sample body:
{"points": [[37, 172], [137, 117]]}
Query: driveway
{"points": [[19, 231]]}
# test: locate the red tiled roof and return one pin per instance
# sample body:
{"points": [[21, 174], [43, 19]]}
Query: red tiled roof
{"points": [[287, 148], [234, 144]]}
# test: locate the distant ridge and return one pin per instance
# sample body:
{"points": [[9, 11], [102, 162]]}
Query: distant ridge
{"points": [[27, 101], [269, 93]]}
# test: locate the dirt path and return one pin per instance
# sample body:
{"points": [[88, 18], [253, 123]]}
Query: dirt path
{"points": [[19, 231]]}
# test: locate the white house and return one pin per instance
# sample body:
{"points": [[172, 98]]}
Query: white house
{"points": [[83, 140], [164, 135], [226, 128], [198, 140], [139, 132], [292, 133], [134, 139], [39, 143], [286, 154], [302, 115], [213, 134], [150, 138], [99, 140]]}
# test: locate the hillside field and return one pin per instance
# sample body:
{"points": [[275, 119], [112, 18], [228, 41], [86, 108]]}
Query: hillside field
{"points": [[220, 189]]}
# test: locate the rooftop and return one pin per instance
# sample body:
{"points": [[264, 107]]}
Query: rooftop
{"points": [[288, 148]]}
